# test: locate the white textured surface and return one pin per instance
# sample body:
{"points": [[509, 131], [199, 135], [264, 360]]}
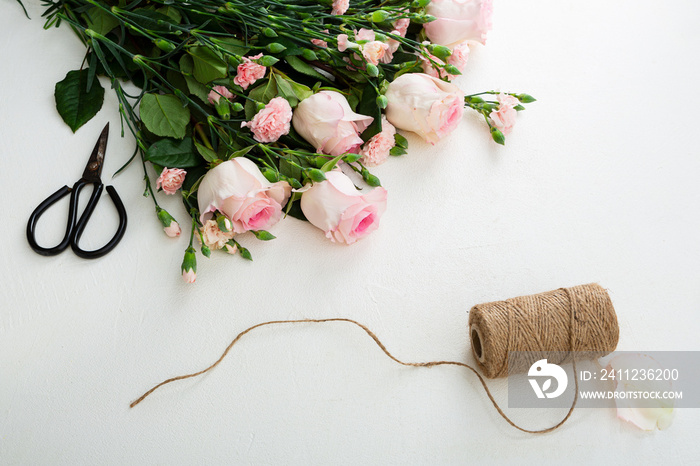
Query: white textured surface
{"points": [[599, 182]]}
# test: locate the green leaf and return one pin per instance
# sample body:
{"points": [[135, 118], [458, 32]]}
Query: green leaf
{"points": [[368, 106], [328, 166], [151, 20], [172, 153], [304, 68], [193, 86], [208, 154], [164, 115], [208, 65], [263, 93], [100, 20], [235, 46], [74, 103], [263, 235], [401, 141], [240, 153], [285, 90], [397, 151], [171, 13]]}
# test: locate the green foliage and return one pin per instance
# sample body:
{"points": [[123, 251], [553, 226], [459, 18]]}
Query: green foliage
{"points": [[164, 115], [74, 102], [173, 153]]}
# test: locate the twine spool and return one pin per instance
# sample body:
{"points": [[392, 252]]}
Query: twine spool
{"points": [[580, 319]]}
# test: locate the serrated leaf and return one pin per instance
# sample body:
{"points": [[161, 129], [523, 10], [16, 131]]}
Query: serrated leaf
{"points": [[171, 13], [100, 20], [164, 115], [74, 103], [285, 90], [208, 65], [173, 153], [304, 68], [233, 45]]}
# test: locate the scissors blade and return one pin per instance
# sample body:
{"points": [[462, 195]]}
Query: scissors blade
{"points": [[93, 169]]}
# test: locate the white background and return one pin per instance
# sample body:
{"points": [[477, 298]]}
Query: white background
{"points": [[598, 182]]}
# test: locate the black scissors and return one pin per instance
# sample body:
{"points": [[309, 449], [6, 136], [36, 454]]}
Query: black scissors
{"points": [[75, 227]]}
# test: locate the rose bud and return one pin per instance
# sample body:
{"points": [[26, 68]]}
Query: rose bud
{"points": [[341, 211], [458, 20], [327, 122], [425, 105], [239, 191]]}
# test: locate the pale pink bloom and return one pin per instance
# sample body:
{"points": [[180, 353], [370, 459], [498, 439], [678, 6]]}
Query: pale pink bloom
{"points": [[374, 51], [248, 72], [376, 150], [401, 26], [365, 34], [341, 211], [647, 414], [458, 20], [231, 248], [459, 57], [504, 117], [340, 7], [171, 180], [272, 121], [393, 46], [213, 237], [217, 93], [344, 43], [238, 190], [189, 276], [430, 70], [172, 230], [320, 42], [425, 105], [328, 123]]}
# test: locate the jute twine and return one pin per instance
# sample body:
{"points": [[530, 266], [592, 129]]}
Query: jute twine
{"points": [[580, 318]]}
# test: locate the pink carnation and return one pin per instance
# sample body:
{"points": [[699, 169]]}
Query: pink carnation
{"points": [[217, 93], [248, 72], [376, 150], [504, 117], [374, 51], [364, 34], [213, 237], [401, 26], [171, 180], [320, 42], [272, 121], [459, 57], [340, 7]]}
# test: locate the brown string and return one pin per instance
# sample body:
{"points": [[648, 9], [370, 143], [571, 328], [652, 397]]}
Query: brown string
{"points": [[573, 311]]}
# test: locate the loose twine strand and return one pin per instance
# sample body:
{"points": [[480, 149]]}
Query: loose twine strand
{"points": [[572, 340]]}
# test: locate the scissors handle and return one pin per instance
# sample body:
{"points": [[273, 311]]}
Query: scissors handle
{"points": [[34, 218], [82, 223], [75, 230]]}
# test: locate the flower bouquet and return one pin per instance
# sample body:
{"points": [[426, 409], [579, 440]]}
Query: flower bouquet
{"points": [[255, 110]]}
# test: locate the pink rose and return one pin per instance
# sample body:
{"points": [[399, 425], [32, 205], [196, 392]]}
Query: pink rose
{"points": [[248, 72], [425, 105], [328, 123], [272, 121], [171, 180], [376, 150], [458, 20], [504, 117], [213, 237], [340, 210], [217, 93], [340, 7], [239, 191]]}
